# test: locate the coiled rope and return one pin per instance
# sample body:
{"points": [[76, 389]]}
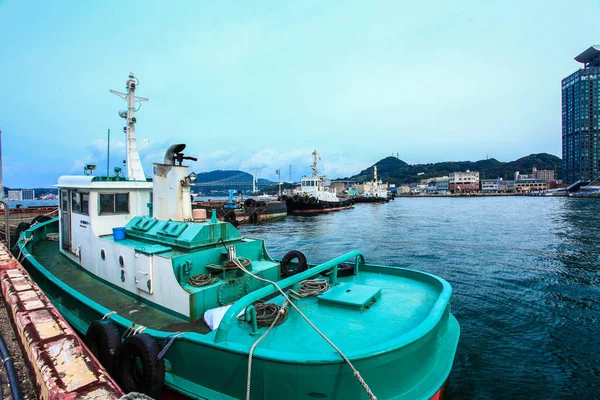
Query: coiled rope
{"points": [[311, 287], [287, 299], [53, 236], [267, 314], [202, 280]]}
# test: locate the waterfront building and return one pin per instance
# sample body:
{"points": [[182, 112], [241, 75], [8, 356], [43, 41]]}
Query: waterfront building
{"points": [[14, 195], [581, 119], [403, 189], [431, 187], [547, 175], [27, 194], [491, 185], [463, 182], [338, 186], [527, 185], [438, 185], [442, 184], [416, 188]]}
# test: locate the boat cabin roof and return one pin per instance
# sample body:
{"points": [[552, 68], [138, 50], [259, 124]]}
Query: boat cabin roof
{"points": [[101, 182]]}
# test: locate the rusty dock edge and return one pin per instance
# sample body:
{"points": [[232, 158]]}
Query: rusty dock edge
{"points": [[62, 366]]}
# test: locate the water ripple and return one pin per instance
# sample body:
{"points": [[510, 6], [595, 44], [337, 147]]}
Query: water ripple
{"points": [[525, 273]]}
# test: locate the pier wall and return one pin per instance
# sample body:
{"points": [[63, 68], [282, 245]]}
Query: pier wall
{"points": [[61, 365]]}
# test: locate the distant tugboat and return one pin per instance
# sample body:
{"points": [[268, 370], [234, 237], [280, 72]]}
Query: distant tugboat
{"points": [[374, 192], [314, 197], [250, 210]]}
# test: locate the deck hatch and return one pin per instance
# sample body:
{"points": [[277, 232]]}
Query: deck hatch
{"points": [[351, 295]]}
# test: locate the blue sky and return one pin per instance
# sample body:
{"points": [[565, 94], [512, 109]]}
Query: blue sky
{"points": [[259, 85]]}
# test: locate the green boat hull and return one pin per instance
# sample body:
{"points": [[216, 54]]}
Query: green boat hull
{"points": [[214, 365]]}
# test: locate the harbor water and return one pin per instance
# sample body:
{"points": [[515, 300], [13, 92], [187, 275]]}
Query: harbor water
{"points": [[525, 273]]}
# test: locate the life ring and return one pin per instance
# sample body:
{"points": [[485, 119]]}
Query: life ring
{"points": [[103, 340], [312, 200], [285, 263], [140, 351]]}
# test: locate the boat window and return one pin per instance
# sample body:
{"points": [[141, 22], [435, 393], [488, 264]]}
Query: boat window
{"points": [[122, 202], [114, 203], [65, 199], [79, 203]]}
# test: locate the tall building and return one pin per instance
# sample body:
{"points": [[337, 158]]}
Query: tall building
{"points": [[27, 194], [581, 119], [14, 195], [547, 175]]}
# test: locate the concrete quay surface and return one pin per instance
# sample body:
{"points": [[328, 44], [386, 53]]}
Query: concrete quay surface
{"points": [[60, 365]]}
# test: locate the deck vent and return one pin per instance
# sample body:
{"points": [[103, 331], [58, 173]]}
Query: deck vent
{"points": [[144, 224], [172, 228]]}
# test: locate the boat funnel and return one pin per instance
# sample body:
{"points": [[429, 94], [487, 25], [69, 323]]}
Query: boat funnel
{"points": [[172, 197], [171, 153]]}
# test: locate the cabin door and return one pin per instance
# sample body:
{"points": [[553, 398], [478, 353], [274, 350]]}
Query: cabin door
{"points": [[65, 219], [143, 272]]}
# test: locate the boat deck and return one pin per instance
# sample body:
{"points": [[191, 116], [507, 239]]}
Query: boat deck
{"points": [[403, 304], [47, 253], [347, 315]]}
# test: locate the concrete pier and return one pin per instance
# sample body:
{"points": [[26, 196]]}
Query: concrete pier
{"points": [[60, 365]]}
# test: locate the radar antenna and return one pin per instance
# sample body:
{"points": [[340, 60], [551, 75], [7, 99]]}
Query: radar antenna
{"points": [[134, 164], [314, 167]]}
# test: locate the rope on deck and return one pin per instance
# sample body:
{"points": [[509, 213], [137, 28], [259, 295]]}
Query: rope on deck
{"points": [[281, 311], [311, 287], [52, 236], [266, 313], [202, 280], [287, 299]]}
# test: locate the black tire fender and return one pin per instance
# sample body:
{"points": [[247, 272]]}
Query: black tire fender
{"points": [[103, 340], [285, 263], [141, 350], [39, 219], [22, 227], [296, 198]]}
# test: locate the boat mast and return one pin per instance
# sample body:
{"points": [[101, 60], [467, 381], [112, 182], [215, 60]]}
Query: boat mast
{"points": [[375, 173], [134, 165], [314, 167]]}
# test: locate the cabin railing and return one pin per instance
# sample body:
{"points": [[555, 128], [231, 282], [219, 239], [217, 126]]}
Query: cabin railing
{"points": [[230, 317]]}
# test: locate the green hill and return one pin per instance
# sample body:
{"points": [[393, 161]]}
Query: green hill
{"points": [[393, 170]]}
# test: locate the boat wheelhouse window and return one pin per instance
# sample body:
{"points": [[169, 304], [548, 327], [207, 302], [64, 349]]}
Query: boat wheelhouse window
{"points": [[64, 200], [114, 203], [80, 202]]}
